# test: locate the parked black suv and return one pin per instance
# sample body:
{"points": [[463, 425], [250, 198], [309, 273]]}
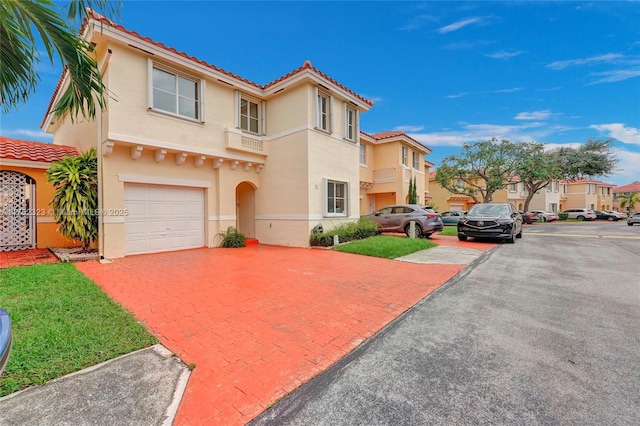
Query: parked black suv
{"points": [[491, 220]]}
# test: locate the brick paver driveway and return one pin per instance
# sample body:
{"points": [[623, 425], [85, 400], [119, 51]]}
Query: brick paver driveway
{"points": [[259, 321]]}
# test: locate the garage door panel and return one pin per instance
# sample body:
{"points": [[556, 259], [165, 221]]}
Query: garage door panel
{"points": [[163, 218]]}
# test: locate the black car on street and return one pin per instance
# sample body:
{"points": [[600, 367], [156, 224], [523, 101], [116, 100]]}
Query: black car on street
{"points": [[491, 220]]}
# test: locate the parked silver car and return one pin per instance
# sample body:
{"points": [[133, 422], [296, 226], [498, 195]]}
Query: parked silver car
{"points": [[545, 216], [633, 219], [398, 217], [580, 214]]}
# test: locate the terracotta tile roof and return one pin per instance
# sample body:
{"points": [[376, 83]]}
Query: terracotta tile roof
{"points": [[396, 133], [18, 149], [432, 175], [307, 65], [632, 187], [586, 180], [98, 17]]}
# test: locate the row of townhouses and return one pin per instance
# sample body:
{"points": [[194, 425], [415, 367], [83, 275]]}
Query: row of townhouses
{"points": [[187, 149]]}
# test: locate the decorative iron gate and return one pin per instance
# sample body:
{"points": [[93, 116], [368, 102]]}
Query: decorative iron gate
{"points": [[17, 211]]}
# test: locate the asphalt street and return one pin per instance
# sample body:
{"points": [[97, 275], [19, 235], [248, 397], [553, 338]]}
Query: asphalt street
{"points": [[543, 331]]}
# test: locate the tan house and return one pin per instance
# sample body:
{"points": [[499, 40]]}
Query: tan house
{"points": [[26, 219], [188, 149], [388, 162], [586, 193], [547, 198], [624, 190]]}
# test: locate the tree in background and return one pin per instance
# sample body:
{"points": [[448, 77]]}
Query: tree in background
{"points": [[536, 169], [412, 196], [22, 24], [629, 200], [75, 201], [480, 169], [594, 158]]}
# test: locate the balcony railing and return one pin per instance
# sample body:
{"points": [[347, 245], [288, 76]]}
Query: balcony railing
{"points": [[384, 175], [238, 141]]}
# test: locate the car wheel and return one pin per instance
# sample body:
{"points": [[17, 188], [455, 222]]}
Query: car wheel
{"points": [[512, 238], [580, 217], [543, 219], [519, 234], [417, 233], [428, 235], [464, 237], [630, 223]]}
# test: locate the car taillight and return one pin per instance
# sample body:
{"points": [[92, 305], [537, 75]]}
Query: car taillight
{"points": [[432, 215]]}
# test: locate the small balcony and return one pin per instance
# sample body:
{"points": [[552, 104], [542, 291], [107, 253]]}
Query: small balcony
{"points": [[239, 141], [384, 175]]}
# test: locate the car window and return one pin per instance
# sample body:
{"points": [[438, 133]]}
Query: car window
{"points": [[447, 214], [386, 210], [402, 210]]}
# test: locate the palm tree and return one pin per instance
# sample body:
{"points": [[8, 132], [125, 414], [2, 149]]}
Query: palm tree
{"points": [[630, 200], [75, 201], [22, 23]]}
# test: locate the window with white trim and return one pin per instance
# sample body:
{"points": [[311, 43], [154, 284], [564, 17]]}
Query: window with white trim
{"points": [[513, 187], [416, 160], [350, 123], [249, 114], [324, 112], [336, 198], [175, 93], [363, 154], [404, 155]]}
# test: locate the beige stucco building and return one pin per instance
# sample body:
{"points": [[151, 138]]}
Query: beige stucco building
{"points": [[388, 162], [586, 193], [187, 149]]}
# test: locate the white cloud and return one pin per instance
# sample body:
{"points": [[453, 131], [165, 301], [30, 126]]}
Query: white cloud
{"points": [[409, 128], [489, 92], [606, 58], [460, 24], [30, 134], [533, 115], [466, 45], [503, 54], [627, 169], [620, 132], [417, 22], [615, 75]]}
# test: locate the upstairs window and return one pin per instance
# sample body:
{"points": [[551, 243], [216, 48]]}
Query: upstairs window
{"points": [[175, 94], [350, 123], [416, 160], [250, 114], [324, 112], [404, 155], [513, 187], [363, 154]]}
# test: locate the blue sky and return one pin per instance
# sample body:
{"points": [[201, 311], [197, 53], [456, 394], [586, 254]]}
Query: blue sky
{"points": [[444, 72]]}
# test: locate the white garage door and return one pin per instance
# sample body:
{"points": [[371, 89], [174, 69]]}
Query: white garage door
{"points": [[163, 218]]}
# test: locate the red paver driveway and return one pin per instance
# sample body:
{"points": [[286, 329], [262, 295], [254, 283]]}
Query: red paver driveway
{"points": [[259, 321], [26, 258]]}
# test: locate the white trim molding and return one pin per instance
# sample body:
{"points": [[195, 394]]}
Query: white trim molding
{"points": [[160, 180], [221, 217]]}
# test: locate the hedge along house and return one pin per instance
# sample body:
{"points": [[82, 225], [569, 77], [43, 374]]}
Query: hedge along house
{"points": [[26, 221], [188, 149]]}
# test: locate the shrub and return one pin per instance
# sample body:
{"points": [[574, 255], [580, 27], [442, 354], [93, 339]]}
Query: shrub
{"points": [[232, 238], [359, 230], [563, 216]]}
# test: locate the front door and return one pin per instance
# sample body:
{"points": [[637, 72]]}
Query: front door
{"points": [[246, 209]]}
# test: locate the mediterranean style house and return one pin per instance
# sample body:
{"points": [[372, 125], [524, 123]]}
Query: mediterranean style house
{"points": [[586, 193], [624, 190], [26, 219], [186, 150], [388, 162]]}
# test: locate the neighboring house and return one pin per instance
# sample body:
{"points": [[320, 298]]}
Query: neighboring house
{"points": [[445, 200], [186, 149], [388, 162], [547, 198], [25, 214], [624, 190], [428, 199], [586, 193]]}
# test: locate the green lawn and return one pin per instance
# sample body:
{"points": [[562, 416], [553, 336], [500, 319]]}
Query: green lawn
{"points": [[451, 231], [386, 246], [62, 322]]}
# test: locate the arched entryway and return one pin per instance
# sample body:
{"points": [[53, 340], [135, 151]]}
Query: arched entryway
{"points": [[246, 209], [17, 211]]}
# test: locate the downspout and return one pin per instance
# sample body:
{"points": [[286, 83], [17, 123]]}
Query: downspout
{"points": [[101, 68]]}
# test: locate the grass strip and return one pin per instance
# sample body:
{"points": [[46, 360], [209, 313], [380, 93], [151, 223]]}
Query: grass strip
{"points": [[385, 246], [61, 322]]}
